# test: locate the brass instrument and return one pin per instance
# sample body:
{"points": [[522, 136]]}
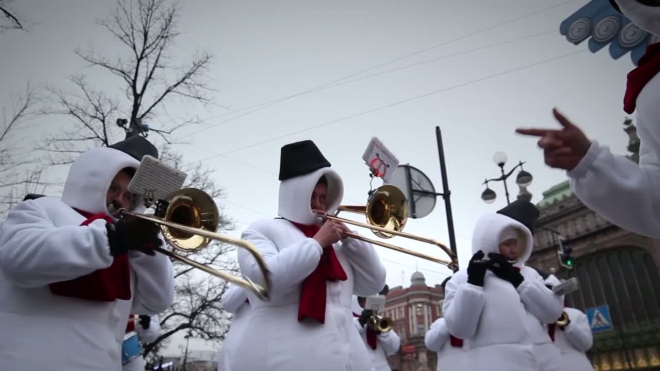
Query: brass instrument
{"points": [[387, 213], [563, 320], [188, 220], [378, 323]]}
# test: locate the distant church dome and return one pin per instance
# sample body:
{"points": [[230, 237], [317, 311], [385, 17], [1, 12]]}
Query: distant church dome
{"points": [[417, 279]]}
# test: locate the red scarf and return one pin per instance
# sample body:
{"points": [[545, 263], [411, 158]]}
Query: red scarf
{"points": [[104, 285], [313, 292], [372, 337], [455, 342], [647, 68]]}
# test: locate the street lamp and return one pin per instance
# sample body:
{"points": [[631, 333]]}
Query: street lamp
{"points": [[523, 179]]}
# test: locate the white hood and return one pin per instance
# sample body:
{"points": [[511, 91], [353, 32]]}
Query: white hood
{"points": [[489, 230], [90, 176], [643, 16], [296, 193]]}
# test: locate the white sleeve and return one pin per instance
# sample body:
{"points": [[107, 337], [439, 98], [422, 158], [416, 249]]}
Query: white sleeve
{"points": [[35, 253], [623, 192], [233, 298], [369, 272], [578, 332], [154, 282], [437, 336], [390, 342], [538, 299], [288, 267], [151, 334], [463, 305]]}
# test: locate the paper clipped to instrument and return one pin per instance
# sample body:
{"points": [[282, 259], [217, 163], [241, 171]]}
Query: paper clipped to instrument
{"points": [[566, 287], [376, 303], [156, 180], [380, 160]]}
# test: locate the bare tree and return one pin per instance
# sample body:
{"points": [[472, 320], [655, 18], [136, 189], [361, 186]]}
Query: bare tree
{"points": [[18, 175], [11, 19], [147, 74], [150, 79]]}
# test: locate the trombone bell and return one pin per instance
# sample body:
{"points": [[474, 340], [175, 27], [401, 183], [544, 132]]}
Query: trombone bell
{"points": [[563, 320], [194, 208], [382, 324], [387, 214], [188, 221]]}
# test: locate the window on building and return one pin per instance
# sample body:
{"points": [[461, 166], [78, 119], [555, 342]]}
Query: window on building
{"points": [[420, 330]]}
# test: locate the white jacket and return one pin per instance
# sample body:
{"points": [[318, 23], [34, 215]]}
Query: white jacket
{"points": [[497, 321], [623, 192], [450, 358], [42, 242], [387, 345], [274, 339], [234, 301], [574, 341], [145, 336]]}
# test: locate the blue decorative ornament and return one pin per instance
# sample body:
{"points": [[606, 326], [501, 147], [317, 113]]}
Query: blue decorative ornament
{"points": [[599, 22]]}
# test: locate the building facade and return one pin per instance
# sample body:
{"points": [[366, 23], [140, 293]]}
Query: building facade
{"points": [[413, 310], [614, 267]]}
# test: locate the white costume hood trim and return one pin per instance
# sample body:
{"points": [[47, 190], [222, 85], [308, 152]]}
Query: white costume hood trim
{"points": [[491, 228], [296, 193], [643, 16], [90, 177]]}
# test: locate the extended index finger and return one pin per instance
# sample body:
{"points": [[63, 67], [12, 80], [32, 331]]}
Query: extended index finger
{"points": [[535, 132]]}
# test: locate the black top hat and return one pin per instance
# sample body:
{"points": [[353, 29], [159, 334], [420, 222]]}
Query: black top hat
{"points": [[137, 147], [301, 158], [444, 283], [385, 290], [522, 211], [32, 196]]}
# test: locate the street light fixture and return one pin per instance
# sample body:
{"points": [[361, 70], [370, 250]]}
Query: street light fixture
{"points": [[523, 179]]}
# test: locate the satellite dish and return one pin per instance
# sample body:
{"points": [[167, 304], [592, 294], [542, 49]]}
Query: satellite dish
{"points": [[418, 188]]}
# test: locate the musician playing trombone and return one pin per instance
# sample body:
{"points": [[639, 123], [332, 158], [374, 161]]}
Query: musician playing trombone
{"points": [[307, 323], [379, 345], [71, 273]]}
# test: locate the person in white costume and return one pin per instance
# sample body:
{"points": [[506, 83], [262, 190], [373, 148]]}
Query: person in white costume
{"points": [[148, 330], [379, 345], [450, 350], [71, 274], [622, 191], [234, 301], [498, 307], [573, 339], [307, 323]]}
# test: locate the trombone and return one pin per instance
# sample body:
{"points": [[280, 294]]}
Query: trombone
{"points": [[188, 220], [387, 213]]}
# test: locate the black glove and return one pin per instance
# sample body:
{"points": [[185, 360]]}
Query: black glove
{"points": [[145, 321], [505, 270], [131, 233], [477, 269], [364, 317]]}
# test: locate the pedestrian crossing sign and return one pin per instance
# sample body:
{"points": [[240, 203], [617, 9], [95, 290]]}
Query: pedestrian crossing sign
{"points": [[599, 318]]}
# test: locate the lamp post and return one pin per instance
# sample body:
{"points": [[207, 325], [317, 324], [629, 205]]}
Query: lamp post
{"points": [[523, 179]]}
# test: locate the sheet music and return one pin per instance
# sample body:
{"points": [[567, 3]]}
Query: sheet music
{"points": [[376, 303], [380, 160], [156, 179]]}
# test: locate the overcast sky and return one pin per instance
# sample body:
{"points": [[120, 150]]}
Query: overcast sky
{"points": [[478, 86]]}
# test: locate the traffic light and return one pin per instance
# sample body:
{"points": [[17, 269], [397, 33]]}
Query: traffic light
{"points": [[564, 254]]}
